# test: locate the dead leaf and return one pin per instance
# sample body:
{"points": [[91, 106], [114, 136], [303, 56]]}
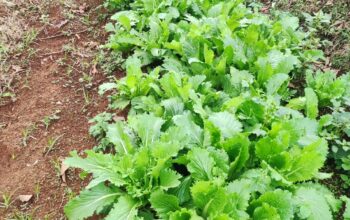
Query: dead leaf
{"points": [[25, 198], [91, 44], [16, 68], [81, 9], [64, 169], [61, 24], [33, 164], [330, 2], [265, 9], [94, 69], [82, 55], [118, 118]]}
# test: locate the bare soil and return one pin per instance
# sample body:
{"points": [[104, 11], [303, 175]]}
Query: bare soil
{"points": [[55, 84]]}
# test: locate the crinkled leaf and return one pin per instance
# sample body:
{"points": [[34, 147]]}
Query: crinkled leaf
{"points": [[125, 208], [100, 165], [275, 83], [346, 214], [193, 131], [182, 192], [306, 162], [237, 149], [116, 133], [184, 214], [106, 87], [148, 127], [169, 179], [90, 202], [311, 103], [226, 123], [209, 198], [281, 200], [200, 164], [266, 212], [164, 203], [311, 204]]}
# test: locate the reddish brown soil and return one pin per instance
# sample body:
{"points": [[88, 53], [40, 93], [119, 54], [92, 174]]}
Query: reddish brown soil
{"points": [[26, 168]]}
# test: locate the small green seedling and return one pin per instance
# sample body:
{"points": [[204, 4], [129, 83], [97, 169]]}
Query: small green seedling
{"points": [[20, 215], [86, 96], [47, 121], [51, 144], [7, 200], [57, 167], [26, 134], [37, 190], [69, 193]]}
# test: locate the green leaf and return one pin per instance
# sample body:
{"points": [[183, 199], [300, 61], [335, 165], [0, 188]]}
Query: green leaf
{"points": [[221, 66], [289, 22], [193, 131], [125, 208], [281, 200], [242, 188], [253, 111], [116, 133], [173, 106], [164, 203], [221, 161], [334, 203], [106, 87], [271, 150], [297, 103], [275, 83], [148, 127], [90, 202], [282, 63], [208, 55], [311, 204], [110, 27], [169, 179], [125, 21], [100, 165], [201, 164], [182, 192], [165, 149], [209, 198], [311, 103], [173, 86], [346, 214], [266, 212], [237, 149], [184, 214], [313, 55], [226, 123], [306, 162]]}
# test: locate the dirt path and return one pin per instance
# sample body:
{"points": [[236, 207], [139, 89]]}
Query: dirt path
{"points": [[61, 85]]}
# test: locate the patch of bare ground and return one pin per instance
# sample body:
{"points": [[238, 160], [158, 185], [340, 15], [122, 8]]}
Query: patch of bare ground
{"points": [[49, 116]]}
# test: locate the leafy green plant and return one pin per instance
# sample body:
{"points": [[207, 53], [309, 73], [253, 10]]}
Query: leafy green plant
{"points": [[214, 128]]}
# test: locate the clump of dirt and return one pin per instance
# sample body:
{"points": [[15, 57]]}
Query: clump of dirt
{"points": [[49, 117]]}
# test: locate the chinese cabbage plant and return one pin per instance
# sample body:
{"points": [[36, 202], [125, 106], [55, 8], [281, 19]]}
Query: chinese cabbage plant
{"points": [[215, 129]]}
